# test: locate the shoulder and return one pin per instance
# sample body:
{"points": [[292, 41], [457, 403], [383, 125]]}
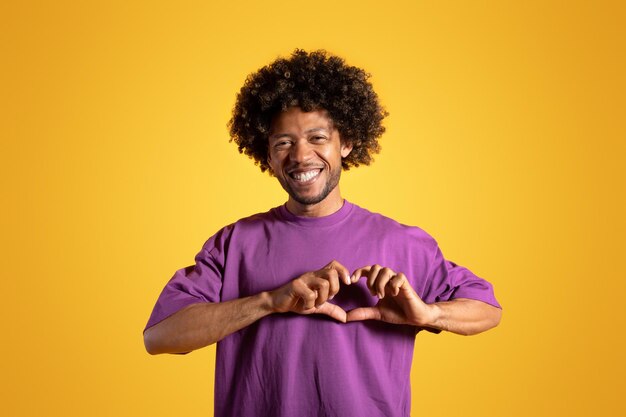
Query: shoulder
{"points": [[390, 228], [255, 220], [246, 227]]}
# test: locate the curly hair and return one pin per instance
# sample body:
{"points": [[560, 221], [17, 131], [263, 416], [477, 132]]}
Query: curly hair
{"points": [[311, 81]]}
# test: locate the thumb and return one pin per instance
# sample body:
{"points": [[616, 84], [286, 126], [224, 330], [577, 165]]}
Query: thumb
{"points": [[363, 313], [333, 311]]}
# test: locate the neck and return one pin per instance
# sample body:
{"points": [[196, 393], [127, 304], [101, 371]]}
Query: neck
{"points": [[331, 204]]}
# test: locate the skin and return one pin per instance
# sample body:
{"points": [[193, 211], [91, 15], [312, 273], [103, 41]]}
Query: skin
{"points": [[202, 324], [399, 304], [300, 143]]}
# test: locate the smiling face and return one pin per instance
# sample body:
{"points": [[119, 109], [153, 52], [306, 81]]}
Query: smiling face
{"points": [[305, 153]]}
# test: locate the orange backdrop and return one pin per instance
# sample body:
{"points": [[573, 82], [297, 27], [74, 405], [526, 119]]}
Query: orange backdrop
{"points": [[506, 142]]}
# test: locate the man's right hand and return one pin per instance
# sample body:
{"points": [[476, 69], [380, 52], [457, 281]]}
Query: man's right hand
{"points": [[310, 292], [202, 324]]}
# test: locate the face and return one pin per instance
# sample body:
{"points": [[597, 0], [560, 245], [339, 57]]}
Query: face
{"points": [[305, 153]]}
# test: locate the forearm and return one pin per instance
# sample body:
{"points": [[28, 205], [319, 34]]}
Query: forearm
{"points": [[463, 316], [202, 324]]}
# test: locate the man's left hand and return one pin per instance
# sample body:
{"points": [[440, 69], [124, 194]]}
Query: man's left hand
{"points": [[398, 302]]}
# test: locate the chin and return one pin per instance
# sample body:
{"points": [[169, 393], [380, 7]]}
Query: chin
{"points": [[307, 200]]}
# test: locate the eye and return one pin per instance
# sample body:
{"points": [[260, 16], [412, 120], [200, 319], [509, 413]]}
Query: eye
{"points": [[282, 144], [318, 139]]}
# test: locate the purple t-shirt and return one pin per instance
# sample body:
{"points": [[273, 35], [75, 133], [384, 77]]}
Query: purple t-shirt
{"points": [[312, 366]]}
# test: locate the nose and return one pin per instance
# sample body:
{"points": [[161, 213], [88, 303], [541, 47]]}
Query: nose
{"points": [[300, 151]]}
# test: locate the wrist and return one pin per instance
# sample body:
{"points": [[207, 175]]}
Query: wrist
{"points": [[266, 302], [432, 316]]}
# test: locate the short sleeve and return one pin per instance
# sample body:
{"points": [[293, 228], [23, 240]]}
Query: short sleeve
{"points": [[199, 283], [447, 281]]}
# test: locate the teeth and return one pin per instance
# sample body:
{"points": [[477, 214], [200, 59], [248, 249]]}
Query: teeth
{"points": [[305, 176]]}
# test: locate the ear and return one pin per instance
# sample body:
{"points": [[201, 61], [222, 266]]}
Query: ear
{"points": [[268, 161], [268, 157], [346, 148]]}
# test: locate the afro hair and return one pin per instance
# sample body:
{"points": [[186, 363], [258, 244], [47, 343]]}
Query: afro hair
{"points": [[312, 81]]}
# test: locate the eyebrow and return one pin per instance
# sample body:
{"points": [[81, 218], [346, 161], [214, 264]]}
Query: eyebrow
{"points": [[311, 130]]}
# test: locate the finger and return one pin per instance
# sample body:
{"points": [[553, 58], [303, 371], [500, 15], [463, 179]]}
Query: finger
{"points": [[332, 277], [363, 313], [305, 293], [371, 278], [333, 311], [321, 287], [396, 283], [309, 299], [356, 275], [341, 270], [317, 282], [333, 288], [384, 275]]}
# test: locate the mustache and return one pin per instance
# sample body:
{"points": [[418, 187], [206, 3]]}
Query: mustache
{"points": [[304, 167]]}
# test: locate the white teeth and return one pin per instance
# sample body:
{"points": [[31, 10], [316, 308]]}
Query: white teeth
{"points": [[305, 176]]}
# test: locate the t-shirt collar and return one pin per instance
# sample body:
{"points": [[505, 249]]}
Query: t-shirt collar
{"points": [[329, 220]]}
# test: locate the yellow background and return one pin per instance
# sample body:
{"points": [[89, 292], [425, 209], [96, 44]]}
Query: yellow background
{"points": [[506, 142]]}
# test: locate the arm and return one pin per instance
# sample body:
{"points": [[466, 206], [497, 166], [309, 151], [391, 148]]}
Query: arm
{"points": [[399, 304], [464, 316], [203, 324]]}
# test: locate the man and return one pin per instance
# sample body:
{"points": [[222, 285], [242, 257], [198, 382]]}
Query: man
{"points": [[314, 304]]}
